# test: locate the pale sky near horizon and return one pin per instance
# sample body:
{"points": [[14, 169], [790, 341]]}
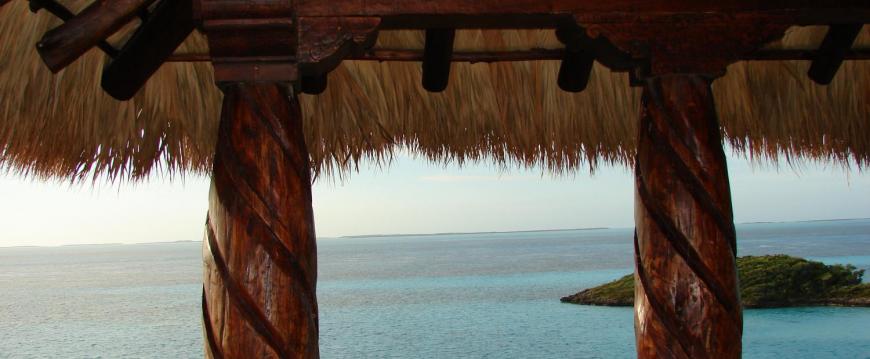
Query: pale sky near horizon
{"points": [[412, 196]]}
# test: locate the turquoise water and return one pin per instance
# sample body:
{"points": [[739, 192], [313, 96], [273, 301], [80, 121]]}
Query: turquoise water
{"points": [[460, 295]]}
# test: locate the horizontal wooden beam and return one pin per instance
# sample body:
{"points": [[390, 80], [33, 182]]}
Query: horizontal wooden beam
{"points": [[405, 55], [548, 13], [69, 41]]}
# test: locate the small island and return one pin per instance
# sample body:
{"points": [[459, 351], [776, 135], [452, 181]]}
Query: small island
{"points": [[765, 282]]}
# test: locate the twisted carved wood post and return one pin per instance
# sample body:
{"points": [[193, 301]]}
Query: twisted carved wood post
{"points": [[687, 303], [260, 252]]}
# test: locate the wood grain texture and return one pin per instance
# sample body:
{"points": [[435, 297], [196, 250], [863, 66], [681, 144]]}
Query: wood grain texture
{"points": [[67, 42], [687, 304], [260, 251]]}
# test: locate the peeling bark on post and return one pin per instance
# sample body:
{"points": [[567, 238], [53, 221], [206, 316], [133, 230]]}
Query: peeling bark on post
{"points": [[687, 302], [260, 252]]}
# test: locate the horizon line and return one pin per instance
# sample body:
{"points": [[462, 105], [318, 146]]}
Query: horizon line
{"points": [[429, 234]]}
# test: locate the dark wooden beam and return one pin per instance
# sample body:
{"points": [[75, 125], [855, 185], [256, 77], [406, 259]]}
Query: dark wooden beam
{"points": [[579, 56], [402, 55], [575, 70], [552, 13], [437, 56], [61, 12], [314, 84], [260, 252], [686, 300], [62, 45], [155, 40], [832, 52]]}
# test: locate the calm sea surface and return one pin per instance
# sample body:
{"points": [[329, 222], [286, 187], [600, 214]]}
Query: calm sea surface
{"points": [[442, 296]]}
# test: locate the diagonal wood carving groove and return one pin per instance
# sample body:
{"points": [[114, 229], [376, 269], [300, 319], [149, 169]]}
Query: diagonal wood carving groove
{"points": [[245, 304], [689, 169], [684, 248], [213, 346], [260, 228], [661, 311], [276, 129], [278, 251]]}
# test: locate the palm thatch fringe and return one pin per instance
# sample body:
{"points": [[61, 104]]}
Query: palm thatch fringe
{"points": [[511, 113]]}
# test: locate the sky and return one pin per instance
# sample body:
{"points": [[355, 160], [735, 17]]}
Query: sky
{"points": [[412, 196]]}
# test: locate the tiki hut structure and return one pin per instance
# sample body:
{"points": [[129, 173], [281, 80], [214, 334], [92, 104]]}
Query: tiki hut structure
{"points": [[264, 95]]}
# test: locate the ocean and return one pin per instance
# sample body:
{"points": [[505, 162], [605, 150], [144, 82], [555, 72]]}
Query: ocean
{"points": [[485, 295]]}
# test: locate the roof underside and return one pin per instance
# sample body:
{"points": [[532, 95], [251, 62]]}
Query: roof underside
{"points": [[512, 113]]}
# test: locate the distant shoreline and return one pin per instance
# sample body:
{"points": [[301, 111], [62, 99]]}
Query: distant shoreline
{"points": [[463, 233], [435, 234]]}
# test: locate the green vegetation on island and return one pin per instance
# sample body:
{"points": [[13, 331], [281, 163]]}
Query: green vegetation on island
{"points": [[765, 282]]}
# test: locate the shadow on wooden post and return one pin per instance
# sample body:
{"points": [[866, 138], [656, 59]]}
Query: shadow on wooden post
{"points": [[260, 252]]}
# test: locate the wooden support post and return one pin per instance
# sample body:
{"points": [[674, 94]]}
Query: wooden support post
{"points": [[686, 302], [832, 52], [260, 251], [436, 59]]}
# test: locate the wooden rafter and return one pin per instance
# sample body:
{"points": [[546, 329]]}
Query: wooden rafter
{"points": [[67, 42]]}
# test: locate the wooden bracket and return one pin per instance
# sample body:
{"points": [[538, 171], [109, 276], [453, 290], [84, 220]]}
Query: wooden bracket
{"points": [[325, 41], [696, 44], [832, 52]]}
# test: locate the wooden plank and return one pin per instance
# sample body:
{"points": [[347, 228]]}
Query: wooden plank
{"points": [[260, 252], [62, 45], [832, 52], [514, 13], [686, 303], [436, 59], [166, 28], [404, 55]]}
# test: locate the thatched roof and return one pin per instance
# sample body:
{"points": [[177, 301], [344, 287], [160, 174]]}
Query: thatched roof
{"points": [[513, 113]]}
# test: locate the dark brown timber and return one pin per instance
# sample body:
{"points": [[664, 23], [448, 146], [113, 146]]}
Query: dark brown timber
{"points": [[436, 59], [314, 84], [260, 253], [66, 43], [832, 52], [405, 55], [687, 304], [61, 12], [158, 37]]}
